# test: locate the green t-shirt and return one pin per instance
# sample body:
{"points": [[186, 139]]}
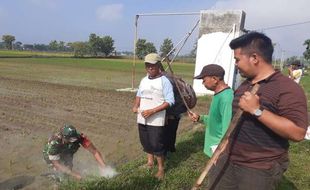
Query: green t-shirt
{"points": [[218, 119]]}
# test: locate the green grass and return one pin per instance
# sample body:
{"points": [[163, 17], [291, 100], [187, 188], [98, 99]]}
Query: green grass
{"points": [[96, 73], [186, 164], [184, 167], [10, 53]]}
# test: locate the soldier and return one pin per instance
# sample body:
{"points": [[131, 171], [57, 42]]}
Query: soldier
{"points": [[60, 148]]}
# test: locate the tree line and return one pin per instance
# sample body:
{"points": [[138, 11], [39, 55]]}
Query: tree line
{"points": [[95, 46], [104, 46]]}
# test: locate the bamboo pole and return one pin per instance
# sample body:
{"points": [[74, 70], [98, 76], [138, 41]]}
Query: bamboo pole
{"points": [[222, 146]]}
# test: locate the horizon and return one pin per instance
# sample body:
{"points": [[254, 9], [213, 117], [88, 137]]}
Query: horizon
{"points": [[42, 21]]}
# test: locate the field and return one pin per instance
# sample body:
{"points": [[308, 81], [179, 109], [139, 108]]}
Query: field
{"points": [[39, 95]]}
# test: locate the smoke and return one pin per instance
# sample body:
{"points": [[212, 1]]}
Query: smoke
{"points": [[108, 172]]}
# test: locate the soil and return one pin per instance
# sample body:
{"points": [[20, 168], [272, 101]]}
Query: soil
{"points": [[31, 111]]}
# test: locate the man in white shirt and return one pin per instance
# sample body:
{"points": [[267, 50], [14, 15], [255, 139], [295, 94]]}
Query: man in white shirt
{"points": [[154, 96], [295, 72]]}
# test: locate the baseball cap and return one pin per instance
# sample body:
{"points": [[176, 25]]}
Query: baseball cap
{"points": [[152, 58], [211, 70]]}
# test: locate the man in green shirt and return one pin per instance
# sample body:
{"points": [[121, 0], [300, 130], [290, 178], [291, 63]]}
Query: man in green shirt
{"points": [[220, 112]]}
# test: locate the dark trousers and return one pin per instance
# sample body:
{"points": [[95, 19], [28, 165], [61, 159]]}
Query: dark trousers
{"points": [[152, 139], [236, 177], [171, 132]]}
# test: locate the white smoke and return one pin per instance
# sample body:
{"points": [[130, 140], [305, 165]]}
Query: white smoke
{"points": [[108, 172]]}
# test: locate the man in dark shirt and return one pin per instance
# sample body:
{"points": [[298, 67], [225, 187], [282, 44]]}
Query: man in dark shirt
{"points": [[258, 149]]}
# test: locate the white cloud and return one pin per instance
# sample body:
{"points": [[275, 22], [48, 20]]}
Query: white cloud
{"points": [[265, 13], [110, 12]]}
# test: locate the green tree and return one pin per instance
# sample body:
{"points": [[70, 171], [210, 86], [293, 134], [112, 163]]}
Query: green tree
{"points": [[41, 47], [80, 48], [107, 45], [53, 45], [140, 48], [150, 48], [94, 44], [61, 46], [8, 41], [307, 52], [166, 47], [143, 48]]}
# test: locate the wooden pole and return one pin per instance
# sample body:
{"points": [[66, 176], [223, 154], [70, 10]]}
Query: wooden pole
{"points": [[223, 144]]}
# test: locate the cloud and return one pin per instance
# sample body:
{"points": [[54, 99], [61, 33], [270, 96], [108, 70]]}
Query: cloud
{"points": [[110, 12], [265, 13]]}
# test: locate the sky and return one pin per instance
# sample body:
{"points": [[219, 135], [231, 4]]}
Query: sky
{"points": [[41, 21]]}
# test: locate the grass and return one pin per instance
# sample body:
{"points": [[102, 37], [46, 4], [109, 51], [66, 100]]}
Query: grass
{"points": [[96, 73], [9, 53], [184, 166]]}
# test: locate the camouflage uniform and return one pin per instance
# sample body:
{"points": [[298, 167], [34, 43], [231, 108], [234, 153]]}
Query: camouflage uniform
{"points": [[57, 149]]}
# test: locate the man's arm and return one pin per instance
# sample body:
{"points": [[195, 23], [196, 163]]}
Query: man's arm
{"points": [[280, 125], [92, 149], [65, 169], [136, 104]]}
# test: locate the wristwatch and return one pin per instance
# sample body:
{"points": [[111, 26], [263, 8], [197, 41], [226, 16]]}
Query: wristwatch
{"points": [[258, 112]]}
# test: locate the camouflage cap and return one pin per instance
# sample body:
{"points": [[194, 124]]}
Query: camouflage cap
{"points": [[69, 131]]}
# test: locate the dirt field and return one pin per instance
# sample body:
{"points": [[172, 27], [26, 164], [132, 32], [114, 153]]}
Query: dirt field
{"points": [[31, 111]]}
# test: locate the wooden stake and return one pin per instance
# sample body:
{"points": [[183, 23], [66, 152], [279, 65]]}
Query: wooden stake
{"points": [[223, 144]]}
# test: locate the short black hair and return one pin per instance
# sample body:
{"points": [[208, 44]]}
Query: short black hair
{"points": [[254, 42]]}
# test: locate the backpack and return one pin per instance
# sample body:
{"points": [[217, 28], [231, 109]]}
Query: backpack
{"points": [[187, 92]]}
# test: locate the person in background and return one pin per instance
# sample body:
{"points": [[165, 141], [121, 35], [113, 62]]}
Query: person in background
{"points": [[154, 96], [277, 113], [295, 71], [220, 112], [59, 150]]}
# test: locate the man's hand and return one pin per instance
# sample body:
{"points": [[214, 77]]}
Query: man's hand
{"points": [[135, 109], [249, 102], [193, 116], [147, 113]]}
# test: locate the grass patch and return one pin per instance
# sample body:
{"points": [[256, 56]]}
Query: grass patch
{"points": [[13, 53], [96, 73], [184, 167]]}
